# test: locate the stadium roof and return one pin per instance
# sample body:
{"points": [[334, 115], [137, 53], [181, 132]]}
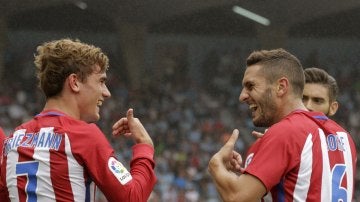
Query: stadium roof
{"points": [[302, 17]]}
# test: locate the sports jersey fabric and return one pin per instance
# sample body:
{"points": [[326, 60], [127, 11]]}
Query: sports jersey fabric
{"points": [[54, 157], [305, 157], [2, 139]]}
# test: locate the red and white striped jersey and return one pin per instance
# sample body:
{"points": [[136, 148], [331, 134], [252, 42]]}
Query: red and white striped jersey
{"points": [[305, 157], [54, 157]]}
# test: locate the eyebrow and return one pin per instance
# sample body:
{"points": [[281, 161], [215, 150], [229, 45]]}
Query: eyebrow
{"points": [[318, 98], [247, 83]]}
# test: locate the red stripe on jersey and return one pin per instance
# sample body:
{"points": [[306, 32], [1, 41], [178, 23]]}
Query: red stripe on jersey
{"points": [[21, 183], [61, 185]]}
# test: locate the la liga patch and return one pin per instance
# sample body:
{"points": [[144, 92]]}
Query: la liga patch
{"points": [[119, 171], [248, 159]]}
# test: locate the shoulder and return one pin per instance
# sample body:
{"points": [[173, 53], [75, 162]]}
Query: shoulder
{"points": [[86, 139], [293, 128], [87, 131], [297, 120], [73, 128]]}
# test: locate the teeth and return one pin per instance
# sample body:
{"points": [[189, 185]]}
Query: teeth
{"points": [[99, 103], [252, 107]]}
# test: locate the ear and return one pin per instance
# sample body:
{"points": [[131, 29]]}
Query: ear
{"points": [[73, 82], [282, 86], [333, 108]]}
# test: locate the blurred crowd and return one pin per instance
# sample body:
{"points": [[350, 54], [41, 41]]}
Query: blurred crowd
{"points": [[189, 119]]}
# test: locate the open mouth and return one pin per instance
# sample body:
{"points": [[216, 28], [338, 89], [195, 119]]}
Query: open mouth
{"points": [[253, 107], [99, 103]]}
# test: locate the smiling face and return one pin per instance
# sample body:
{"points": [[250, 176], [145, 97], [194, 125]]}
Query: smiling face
{"points": [[93, 92], [316, 98], [259, 95]]}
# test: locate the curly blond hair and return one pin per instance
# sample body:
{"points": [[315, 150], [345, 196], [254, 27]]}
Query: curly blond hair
{"points": [[56, 60]]}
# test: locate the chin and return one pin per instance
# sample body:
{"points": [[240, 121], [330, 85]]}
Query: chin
{"points": [[97, 117], [260, 123], [256, 123], [92, 119]]}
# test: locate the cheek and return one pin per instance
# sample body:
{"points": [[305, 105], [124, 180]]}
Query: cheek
{"points": [[321, 108], [308, 106]]}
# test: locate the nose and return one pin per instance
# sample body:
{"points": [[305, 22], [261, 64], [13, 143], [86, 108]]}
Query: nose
{"points": [[243, 95], [106, 92], [308, 105]]}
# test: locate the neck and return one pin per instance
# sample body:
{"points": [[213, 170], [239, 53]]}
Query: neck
{"points": [[62, 105], [290, 106]]}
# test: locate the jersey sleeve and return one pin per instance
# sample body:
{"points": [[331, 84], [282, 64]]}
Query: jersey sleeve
{"points": [[3, 190], [275, 155], [110, 175]]}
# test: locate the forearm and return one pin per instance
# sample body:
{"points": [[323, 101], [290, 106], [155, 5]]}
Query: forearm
{"points": [[142, 167], [224, 167], [234, 187], [224, 180], [133, 186]]}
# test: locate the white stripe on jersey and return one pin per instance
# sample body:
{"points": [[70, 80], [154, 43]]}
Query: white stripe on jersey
{"points": [[305, 169], [76, 173], [326, 173], [44, 190], [348, 161], [92, 189], [11, 181], [267, 198]]}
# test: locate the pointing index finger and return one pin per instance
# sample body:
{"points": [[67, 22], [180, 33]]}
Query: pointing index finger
{"points": [[234, 136]]}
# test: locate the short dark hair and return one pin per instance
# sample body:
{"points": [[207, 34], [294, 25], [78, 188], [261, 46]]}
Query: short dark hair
{"points": [[320, 76], [278, 63]]}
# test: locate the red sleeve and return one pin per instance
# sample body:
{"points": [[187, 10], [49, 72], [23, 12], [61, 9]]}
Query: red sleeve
{"points": [[113, 179], [3, 190]]}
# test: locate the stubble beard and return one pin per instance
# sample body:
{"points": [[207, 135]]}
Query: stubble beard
{"points": [[268, 110]]}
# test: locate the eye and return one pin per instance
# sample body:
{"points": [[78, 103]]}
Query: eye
{"points": [[249, 86], [318, 100], [103, 80]]}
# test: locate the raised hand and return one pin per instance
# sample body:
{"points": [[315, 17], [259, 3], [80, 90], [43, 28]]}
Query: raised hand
{"points": [[131, 126], [227, 156]]}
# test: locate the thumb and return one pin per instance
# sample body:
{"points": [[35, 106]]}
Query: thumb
{"points": [[234, 136], [130, 114]]}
